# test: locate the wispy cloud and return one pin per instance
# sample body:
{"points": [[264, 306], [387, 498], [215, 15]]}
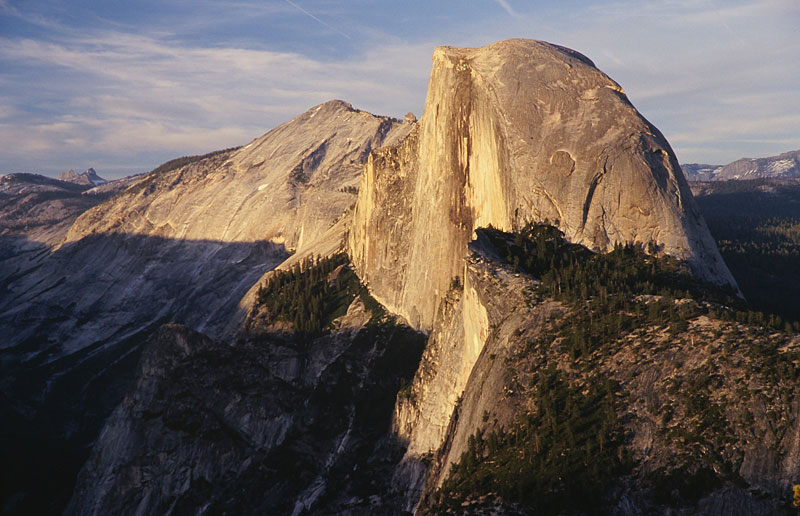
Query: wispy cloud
{"points": [[111, 92], [710, 75]]}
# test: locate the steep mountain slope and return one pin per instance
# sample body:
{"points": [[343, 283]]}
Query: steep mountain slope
{"points": [[40, 209], [285, 187], [279, 422], [785, 165], [514, 132], [181, 245], [591, 395], [36, 212], [554, 379]]}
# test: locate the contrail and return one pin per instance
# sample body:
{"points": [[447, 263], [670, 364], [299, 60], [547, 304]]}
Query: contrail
{"points": [[507, 7], [315, 18]]}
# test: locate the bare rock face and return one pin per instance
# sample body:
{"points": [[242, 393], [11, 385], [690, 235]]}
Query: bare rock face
{"points": [[515, 132], [235, 210], [287, 186], [737, 454], [39, 209], [36, 213], [276, 423]]}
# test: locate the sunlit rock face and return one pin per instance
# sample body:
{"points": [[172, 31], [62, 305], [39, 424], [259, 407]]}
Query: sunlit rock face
{"points": [[514, 132], [286, 186]]}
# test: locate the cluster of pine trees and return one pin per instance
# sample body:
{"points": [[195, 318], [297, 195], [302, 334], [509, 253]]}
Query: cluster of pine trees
{"points": [[573, 273], [560, 457], [309, 295], [186, 160]]}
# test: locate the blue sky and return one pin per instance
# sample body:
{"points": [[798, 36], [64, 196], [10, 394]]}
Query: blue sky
{"points": [[123, 86]]}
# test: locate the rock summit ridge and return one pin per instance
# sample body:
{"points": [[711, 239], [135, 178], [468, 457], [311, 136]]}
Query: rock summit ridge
{"points": [[88, 177]]}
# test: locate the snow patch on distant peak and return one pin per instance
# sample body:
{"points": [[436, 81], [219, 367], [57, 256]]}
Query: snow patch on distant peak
{"points": [[781, 166]]}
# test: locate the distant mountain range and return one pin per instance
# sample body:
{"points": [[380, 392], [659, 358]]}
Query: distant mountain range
{"points": [[88, 177], [783, 165]]}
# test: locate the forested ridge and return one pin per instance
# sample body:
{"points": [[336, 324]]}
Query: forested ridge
{"points": [[570, 453]]}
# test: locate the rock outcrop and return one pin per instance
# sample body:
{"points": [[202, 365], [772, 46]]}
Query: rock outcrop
{"points": [[39, 209], [286, 415], [245, 209], [515, 132], [286, 187], [36, 213], [276, 423]]}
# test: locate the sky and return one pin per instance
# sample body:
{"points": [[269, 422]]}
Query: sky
{"points": [[124, 85]]}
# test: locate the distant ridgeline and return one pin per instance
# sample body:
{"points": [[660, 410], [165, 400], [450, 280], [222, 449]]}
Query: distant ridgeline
{"points": [[186, 160], [756, 224]]}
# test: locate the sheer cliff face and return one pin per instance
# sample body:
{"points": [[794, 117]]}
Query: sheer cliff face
{"points": [[514, 132], [756, 451]]}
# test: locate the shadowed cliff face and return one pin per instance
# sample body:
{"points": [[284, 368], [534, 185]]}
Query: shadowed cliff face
{"points": [[279, 422], [72, 329], [515, 132]]}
